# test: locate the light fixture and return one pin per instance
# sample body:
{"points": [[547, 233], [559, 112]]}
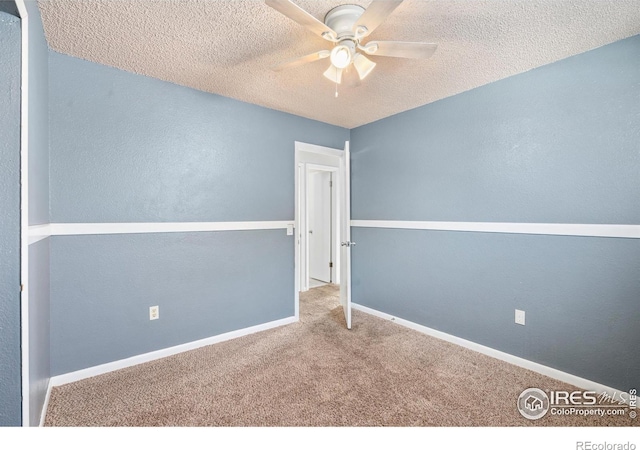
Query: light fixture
{"points": [[342, 54], [334, 74], [363, 65], [346, 26]]}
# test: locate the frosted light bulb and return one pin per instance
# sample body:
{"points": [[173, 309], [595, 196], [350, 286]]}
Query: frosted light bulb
{"points": [[341, 56]]}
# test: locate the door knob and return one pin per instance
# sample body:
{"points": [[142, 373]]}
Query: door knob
{"points": [[348, 244]]}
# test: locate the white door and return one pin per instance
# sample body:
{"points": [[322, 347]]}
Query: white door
{"points": [[345, 234], [320, 225]]}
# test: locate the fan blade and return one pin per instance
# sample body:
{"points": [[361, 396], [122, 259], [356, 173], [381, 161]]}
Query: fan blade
{"points": [[297, 14], [373, 16], [303, 60], [414, 50]]}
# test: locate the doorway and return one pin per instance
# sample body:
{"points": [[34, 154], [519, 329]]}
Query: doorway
{"points": [[322, 221], [321, 224]]}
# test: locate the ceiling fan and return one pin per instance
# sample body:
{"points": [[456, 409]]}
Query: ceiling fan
{"points": [[346, 26]]}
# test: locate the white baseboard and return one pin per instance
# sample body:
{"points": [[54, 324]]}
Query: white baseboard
{"points": [[78, 375], [574, 380], [43, 413]]}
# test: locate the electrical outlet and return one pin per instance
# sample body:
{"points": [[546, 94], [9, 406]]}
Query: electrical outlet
{"points": [[154, 312], [519, 317]]}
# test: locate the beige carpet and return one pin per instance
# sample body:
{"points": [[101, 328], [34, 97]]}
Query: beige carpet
{"points": [[313, 373]]}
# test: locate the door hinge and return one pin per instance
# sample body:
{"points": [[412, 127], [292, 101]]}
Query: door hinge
{"points": [[330, 183], [330, 264]]}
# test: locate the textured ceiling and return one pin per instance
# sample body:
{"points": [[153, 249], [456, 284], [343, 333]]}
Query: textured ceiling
{"points": [[229, 47]]}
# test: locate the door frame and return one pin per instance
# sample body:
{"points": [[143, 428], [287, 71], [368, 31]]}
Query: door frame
{"points": [[316, 156], [24, 211]]}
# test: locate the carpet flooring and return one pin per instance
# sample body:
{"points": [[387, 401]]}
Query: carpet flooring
{"points": [[314, 373]]}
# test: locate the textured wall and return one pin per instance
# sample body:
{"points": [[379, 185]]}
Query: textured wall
{"points": [[9, 7], [557, 144], [580, 294], [38, 119], [127, 148], [39, 328], [9, 220], [205, 284]]}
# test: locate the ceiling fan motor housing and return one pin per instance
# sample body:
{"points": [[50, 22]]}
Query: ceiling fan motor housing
{"points": [[341, 19]]}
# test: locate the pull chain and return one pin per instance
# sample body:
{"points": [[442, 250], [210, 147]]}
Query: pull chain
{"points": [[336, 82]]}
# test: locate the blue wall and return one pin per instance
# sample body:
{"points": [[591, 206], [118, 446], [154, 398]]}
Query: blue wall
{"points": [[555, 144], [38, 118], [10, 393], [560, 143], [39, 296], [39, 327], [205, 284], [9, 7], [127, 148]]}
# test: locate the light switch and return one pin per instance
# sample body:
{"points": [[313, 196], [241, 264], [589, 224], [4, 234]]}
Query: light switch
{"points": [[519, 317], [290, 229]]}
